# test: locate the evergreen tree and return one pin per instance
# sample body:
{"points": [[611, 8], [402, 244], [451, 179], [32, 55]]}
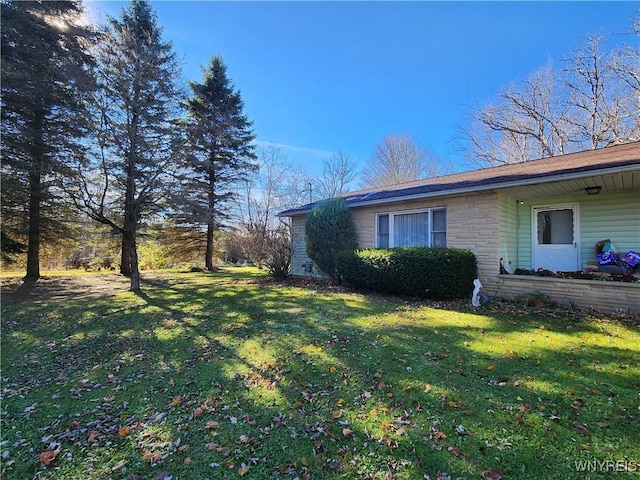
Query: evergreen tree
{"points": [[137, 135], [46, 79], [220, 153]]}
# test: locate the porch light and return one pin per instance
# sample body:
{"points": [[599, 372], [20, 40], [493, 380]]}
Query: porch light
{"points": [[593, 190]]}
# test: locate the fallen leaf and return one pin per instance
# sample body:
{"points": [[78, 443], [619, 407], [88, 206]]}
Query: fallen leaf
{"points": [[212, 425], [580, 428], [198, 411], [49, 456], [92, 436], [332, 370], [439, 435], [492, 474], [336, 414], [491, 367], [119, 466], [373, 413], [347, 431], [243, 470], [124, 431], [187, 461], [176, 401], [456, 452]]}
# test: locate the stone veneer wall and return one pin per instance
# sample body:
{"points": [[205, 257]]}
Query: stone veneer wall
{"points": [[606, 296], [472, 223]]}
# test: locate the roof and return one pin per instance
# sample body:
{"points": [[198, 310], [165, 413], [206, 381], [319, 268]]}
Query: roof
{"points": [[615, 159]]}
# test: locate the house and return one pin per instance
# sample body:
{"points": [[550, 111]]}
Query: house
{"points": [[546, 213]]}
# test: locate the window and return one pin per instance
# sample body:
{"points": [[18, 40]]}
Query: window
{"points": [[426, 228], [383, 231]]}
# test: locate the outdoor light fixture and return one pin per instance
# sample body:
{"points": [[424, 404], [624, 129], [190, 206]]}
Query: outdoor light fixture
{"points": [[593, 190]]}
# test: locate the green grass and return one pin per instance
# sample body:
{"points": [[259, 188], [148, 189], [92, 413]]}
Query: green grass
{"points": [[231, 375]]}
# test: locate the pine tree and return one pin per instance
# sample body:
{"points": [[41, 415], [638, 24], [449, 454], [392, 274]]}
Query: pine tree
{"points": [[220, 153], [137, 134], [46, 79]]}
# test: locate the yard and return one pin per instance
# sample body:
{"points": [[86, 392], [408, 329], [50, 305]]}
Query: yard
{"points": [[233, 375]]}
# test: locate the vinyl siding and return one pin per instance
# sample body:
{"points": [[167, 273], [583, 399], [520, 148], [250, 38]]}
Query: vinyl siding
{"points": [[612, 216], [508, 230], [299, 254]]}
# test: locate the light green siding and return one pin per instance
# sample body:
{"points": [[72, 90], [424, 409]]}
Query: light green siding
{"points": [[507, 231], [615, 217], [606, 216]]}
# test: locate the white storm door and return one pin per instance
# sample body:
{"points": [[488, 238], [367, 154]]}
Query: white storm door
{"points": [[555, 246]]}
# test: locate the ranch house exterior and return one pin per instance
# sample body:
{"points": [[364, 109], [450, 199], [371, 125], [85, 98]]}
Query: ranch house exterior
{"points": [[544, 214]]}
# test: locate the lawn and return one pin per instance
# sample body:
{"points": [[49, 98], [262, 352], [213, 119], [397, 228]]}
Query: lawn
{"points": [[233, 375]]}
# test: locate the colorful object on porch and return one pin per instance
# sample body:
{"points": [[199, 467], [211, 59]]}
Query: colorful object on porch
{"points": [[607, 258], [475, 301], [631, 258]]}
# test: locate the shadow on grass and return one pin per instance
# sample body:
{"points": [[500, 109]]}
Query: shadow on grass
{"points": [[311, 379]]}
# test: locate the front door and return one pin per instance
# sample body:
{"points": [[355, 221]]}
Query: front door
{"points": [[555, 246]]}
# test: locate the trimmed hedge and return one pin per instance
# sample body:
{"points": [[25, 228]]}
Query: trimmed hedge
{"points": [[436, 273]]}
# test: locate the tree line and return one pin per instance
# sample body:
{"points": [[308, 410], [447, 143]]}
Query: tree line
{"points": [[95, 120]]}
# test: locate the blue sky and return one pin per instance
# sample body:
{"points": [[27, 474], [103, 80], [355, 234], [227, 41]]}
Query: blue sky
{"points": [[321, 77]]}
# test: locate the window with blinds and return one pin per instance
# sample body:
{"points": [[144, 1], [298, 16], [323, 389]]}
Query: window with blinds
{"points": [[424, 228]]}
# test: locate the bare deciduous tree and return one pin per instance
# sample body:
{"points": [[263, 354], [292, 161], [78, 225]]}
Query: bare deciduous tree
{"points": [[398, 159], [276, 187], [338, 173], [526, 122], [592, 102]]}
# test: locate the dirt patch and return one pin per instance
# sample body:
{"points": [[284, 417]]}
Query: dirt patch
{"points": [[48, 289]]}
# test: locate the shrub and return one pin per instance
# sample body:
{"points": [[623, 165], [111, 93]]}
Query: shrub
{"points": [[329, 229], [436, 273]]}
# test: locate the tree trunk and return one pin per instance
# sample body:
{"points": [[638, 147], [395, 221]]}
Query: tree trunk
{"points": [[125, 256], [33, 251], [208, 256], [35, 198], [129, 233], [135, 272]]}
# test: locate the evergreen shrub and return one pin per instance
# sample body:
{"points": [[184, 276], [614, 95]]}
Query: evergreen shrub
{"points": [[329, 229], [436, 273]]}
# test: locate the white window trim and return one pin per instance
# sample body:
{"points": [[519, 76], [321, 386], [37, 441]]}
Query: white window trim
{"points": [[576, 227], [406, 212]]}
